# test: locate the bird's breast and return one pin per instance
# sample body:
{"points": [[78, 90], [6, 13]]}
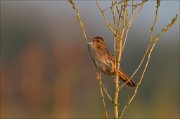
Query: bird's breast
{"points": [[105, 65]]}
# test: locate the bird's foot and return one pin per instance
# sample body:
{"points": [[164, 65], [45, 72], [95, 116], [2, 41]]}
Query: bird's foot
{"points": [[98, 76]]}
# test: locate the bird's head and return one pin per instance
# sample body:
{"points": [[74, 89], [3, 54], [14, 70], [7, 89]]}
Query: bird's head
{"points": [[98, 43]]}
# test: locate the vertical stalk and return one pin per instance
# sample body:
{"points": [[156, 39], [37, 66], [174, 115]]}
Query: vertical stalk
{"points": [[102, 95], [118, 63]]}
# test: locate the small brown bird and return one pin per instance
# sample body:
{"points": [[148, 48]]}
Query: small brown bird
{"points": [[105, 61]]}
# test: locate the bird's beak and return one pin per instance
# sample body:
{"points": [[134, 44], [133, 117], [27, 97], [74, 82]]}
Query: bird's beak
{"points": [[90, 43]]}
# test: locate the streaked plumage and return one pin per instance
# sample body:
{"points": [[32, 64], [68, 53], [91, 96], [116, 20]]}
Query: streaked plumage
{"points": [[105, 60]]}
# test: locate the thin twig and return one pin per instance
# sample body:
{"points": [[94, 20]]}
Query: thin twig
{"points": [[127, 31], [140, 80], [149, 44], [102, 95], [119, 44], [149, 57], [82, 28], [118, 57], [136, 5], [119, 14], [133, 17], [108, 24], [79, 19], [113, 13], [106, 92]]}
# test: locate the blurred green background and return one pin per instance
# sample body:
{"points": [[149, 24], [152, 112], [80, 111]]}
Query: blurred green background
{"points": [[46, 70]]}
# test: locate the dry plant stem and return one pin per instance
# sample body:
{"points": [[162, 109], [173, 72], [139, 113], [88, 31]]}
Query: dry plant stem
{"points": [[126, 5], [119, 20], [116, 95], [146, 65], [149, 57], [151, 39], [117, 28], [118, 57], [106, 92], [118, 63], [102, 95], [113, 10], [79, 20], [82, 28], [116, 60], [139, 83], [115, 3], [108, 24], [149, 44], [135, 92], [119, 45], [114, 16], [133, 16], [127, 31], [85, 37]]}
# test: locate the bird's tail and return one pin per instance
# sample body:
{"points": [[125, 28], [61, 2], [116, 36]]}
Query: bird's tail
{"points": [[125, 78]]}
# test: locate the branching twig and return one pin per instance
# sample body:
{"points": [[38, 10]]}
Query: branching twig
{"points": [[106, 92], [127, 31], [136, 5], [149, 57], [148, 47], [119, 43], [118, 57], [133, 16], [108, 24], [151, 39]]}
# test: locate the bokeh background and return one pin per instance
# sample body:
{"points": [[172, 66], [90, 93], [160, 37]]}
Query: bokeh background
{"points": [[46, 70]]}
